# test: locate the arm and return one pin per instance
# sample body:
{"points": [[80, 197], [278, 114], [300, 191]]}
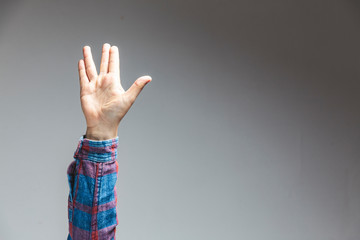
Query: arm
{"points": [[92, 199], [93, 173]]}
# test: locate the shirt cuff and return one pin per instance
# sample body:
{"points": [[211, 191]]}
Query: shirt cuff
{"points": [[97, 151]]}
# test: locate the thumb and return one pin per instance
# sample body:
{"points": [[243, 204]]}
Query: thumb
{"points": [[137, 86]]}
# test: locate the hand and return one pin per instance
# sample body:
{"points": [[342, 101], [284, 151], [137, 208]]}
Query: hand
{"points": [[103, 99]]}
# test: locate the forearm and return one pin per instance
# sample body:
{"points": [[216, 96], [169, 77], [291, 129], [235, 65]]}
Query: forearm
{"points": [[92, 199]]}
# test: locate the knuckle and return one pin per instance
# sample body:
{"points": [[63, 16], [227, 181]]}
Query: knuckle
{"points": [[138, 84]]}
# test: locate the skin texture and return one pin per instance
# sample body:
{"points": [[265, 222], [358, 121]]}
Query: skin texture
{"points": [[104, 101]]}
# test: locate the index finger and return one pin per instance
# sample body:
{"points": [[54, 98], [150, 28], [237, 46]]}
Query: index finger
{"points": [[114, 63]]}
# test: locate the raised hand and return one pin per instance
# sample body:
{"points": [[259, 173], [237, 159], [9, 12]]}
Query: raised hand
{"points": [[103, 99]]}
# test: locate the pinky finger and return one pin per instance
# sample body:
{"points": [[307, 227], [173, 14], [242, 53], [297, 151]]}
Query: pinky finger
{"points": [[82, 73]]}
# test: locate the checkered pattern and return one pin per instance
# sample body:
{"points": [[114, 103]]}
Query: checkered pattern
{"points": [[92, 198]]}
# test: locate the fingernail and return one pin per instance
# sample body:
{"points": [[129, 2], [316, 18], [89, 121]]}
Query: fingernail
{"points": [[144, 81]]}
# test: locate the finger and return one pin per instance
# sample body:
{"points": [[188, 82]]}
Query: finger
{"points": [[89, 63], [137, 87], [105, 58], [82, 74], [114, 63]]}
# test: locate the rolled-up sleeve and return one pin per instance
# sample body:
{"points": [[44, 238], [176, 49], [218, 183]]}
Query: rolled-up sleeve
{"points": [[92, 197]]}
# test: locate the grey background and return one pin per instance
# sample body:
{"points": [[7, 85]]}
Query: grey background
{"points": [[249, 129]]}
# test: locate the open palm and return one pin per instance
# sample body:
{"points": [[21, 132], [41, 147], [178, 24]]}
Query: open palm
{"points": [[103, 99]]}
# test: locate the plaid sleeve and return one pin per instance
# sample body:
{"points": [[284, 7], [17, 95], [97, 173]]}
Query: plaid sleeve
{"points": [[92, 197]]}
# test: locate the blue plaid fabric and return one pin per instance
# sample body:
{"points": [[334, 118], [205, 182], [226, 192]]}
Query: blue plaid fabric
{"points": [[92, 198]]}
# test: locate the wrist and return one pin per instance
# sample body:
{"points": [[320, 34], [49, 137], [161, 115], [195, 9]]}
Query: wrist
{"points": [[101, 133]]}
